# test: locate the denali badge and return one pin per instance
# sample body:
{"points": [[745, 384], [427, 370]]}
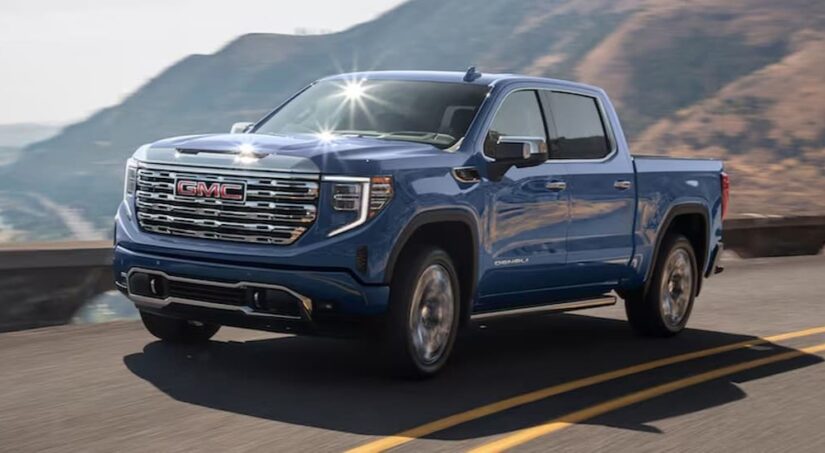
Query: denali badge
{"points": [[233, 191], [511, 261]]}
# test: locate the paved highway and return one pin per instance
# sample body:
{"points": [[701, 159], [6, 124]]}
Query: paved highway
{"points": [[748, 375]]}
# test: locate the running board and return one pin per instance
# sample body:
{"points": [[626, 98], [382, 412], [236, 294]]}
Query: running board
{"points": [[603, 301]]}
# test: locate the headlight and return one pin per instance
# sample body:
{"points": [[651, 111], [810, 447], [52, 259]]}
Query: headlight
{"points": [[380, 193], [130, 180], [347, 196], [365, 197]]}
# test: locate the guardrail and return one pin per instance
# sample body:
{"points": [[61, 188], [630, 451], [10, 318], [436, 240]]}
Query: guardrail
{"points": [[44, 284]]}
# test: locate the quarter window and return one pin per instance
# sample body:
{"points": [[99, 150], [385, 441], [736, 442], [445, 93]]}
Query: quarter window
{"points": [[519, 115], [579, 126]]}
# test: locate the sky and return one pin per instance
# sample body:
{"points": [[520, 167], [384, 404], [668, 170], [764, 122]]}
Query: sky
{"points": [[62, 60]]}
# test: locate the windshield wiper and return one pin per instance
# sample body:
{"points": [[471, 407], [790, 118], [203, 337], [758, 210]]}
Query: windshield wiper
{"points": [[436, 137], [357, 133]]}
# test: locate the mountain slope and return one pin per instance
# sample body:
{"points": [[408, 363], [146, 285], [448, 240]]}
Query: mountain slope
{"points": [[663, 62], [768, 128]]}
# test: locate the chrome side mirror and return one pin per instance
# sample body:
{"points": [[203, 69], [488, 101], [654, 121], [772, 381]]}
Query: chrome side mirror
{"points": [[520, 148], [515, 151], [241, 128]]}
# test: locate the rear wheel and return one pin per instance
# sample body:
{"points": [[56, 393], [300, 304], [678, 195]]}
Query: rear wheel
{"points": [[666, 306], [176, 330], [424, 313]]}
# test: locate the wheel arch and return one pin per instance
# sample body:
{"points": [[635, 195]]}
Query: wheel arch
{"points": [[440, 227], [692, 220]]}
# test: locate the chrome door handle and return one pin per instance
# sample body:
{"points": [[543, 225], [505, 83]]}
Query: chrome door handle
{"points": [[556, 186], [622, 185]]}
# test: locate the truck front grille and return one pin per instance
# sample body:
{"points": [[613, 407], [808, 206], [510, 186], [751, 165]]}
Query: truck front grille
{"points": [[278, 207]]}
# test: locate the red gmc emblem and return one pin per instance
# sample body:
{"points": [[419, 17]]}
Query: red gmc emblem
{"points": [[233, 191]]}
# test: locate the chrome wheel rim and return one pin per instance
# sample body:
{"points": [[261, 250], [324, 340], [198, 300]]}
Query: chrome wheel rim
{"points": [[431, 314], [677, 288]]}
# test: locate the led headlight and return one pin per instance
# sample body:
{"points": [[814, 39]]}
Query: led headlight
{"points": [[365, 197], [347, 196], [130, 180]]}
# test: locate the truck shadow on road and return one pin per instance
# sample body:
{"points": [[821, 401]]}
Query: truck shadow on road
{"points": [[337, 385]]}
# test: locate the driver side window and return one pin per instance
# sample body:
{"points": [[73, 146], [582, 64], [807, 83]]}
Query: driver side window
{"points": [[519, 115]]}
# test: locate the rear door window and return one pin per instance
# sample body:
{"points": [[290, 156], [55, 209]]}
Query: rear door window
{"points": [[580, 132]]}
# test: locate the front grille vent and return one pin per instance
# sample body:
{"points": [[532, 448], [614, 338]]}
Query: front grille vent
{"points": [[277, 208]]}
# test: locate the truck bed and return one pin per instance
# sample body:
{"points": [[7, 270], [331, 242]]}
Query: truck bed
{"points": [[667, 183]]}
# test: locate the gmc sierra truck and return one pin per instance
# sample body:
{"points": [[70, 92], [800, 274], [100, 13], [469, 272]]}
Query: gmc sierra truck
{"points": [[405, 204]]}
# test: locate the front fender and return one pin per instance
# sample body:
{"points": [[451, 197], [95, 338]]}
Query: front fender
{"points": [[438, 215]]}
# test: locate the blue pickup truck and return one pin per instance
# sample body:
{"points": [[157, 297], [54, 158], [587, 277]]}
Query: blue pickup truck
{"points": [[403, 205]]}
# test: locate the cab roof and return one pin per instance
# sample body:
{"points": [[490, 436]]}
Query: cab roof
{"points": [[453, 77]]}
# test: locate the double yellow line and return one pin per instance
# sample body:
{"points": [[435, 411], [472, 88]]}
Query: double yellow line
{"points": [[526, 435], [522, 436]]}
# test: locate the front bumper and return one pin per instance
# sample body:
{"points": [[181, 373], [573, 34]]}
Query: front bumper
{"points": [[323, 298]]}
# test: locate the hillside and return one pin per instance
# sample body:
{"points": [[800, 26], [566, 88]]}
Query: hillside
{"points": [[22, 134], [740, 79]]}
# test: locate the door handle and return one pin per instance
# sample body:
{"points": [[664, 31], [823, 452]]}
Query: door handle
{"points": [[622, 184], [556, 186]]}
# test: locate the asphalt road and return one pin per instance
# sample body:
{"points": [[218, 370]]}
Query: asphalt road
{"points": [[112, 387]]}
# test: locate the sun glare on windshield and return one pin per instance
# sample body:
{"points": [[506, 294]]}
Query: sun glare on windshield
{"points": [[436, 113], [354, 89], [325, 135]]}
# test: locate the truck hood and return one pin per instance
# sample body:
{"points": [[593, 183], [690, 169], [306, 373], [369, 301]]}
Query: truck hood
{"points": [[300, 153]]}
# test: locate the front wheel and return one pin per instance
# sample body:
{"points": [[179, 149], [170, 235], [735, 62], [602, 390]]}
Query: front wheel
{"points": [[175, 330], [664, 309], [424, 313]]}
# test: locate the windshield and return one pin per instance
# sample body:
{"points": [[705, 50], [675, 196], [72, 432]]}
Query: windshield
{"points": [[431, 112]]}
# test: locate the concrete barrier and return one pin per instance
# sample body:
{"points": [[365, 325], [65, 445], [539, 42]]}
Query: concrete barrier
{"points": [[757, 236], [45, 284]]}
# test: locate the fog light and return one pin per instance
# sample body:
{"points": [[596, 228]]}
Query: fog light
{"points": [[148, 285], [274, 301]]}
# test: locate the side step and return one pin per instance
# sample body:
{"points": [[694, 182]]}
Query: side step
{"points": [[602, 301]]}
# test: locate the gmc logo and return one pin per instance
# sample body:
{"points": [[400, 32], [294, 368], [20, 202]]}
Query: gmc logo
{"points": [[232, 191]]}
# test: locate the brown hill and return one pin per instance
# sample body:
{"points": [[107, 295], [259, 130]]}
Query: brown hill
{"points": [[769, 127], [738, 79]]}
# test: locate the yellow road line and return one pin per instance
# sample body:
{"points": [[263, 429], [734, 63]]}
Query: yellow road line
{"points": [[528, 434], [426, 429]]}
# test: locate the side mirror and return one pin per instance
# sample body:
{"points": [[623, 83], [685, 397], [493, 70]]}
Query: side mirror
{"points": [[512, 151], [240, 128]]}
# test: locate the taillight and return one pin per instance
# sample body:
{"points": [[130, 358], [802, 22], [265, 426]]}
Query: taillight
{"points": [[725, 193]]}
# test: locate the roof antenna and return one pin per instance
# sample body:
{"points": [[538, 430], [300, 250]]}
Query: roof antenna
{"points": [[471, 74]]}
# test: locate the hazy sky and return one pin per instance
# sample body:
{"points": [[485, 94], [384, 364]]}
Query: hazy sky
{"points": [[61, 60]]}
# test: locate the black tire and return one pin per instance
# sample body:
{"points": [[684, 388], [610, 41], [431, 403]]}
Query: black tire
{"points": [[646, 310], [176, 330], [400, 347]]}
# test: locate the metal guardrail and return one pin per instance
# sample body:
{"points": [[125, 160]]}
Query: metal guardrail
{"points": [[43, 284]]}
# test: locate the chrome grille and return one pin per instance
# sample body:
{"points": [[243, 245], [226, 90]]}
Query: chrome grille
{"points": [[278, 209]]}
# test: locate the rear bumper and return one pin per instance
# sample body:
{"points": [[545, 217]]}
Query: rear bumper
{"points": [[323, 299]]}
